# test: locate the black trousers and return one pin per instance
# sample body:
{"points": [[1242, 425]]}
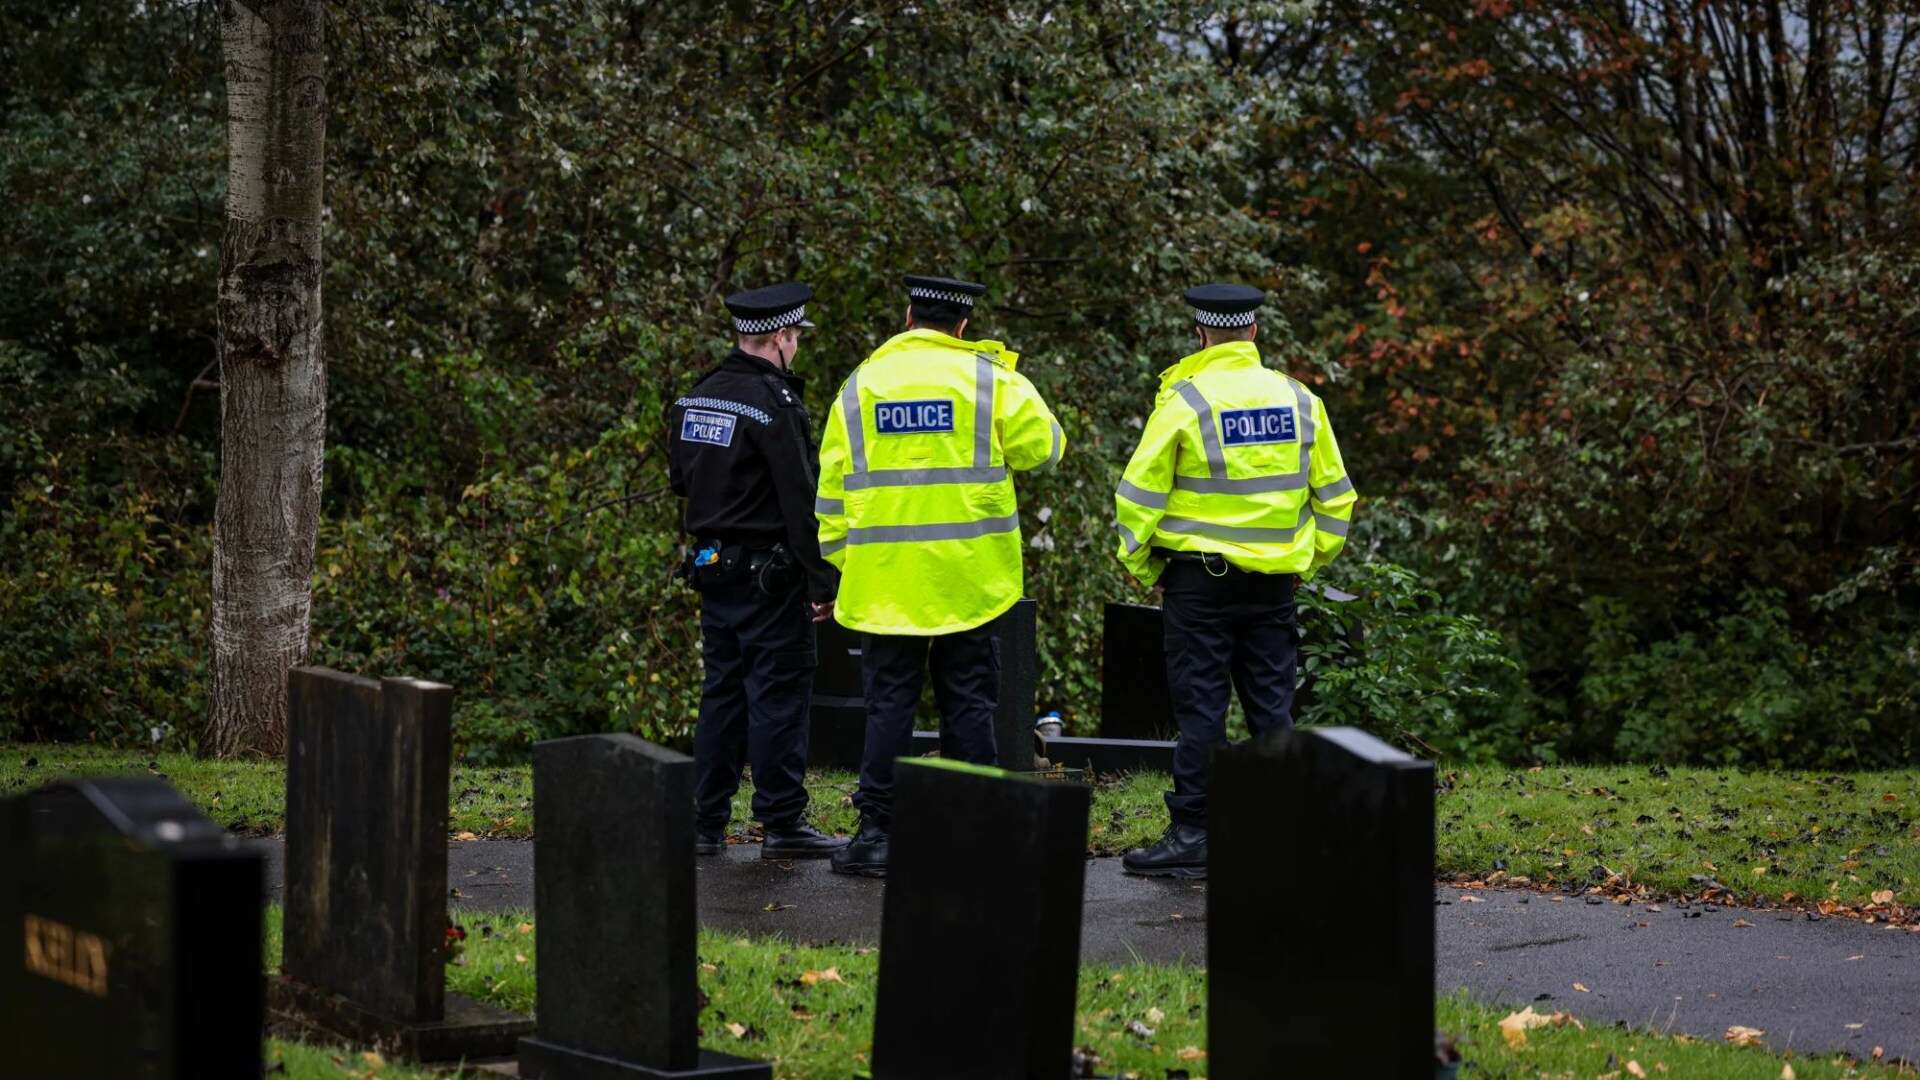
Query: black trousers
{"points": [[759, 655], [1226, 633], [966, 686]]}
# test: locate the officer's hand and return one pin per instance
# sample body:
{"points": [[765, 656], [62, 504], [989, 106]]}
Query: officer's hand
{"points": [[823, 612]]}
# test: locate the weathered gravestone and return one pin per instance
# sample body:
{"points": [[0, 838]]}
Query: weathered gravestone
{"points": [[133, 934], [366, 878], [1334, 977], [1134, 700], [614, 897], [980, 933]]}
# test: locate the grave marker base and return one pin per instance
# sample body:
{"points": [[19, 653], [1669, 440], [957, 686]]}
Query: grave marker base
{"points": [[550, 1061], [470, 1029]]}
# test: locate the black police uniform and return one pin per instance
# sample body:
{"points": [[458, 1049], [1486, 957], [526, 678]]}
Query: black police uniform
{"points": [[743, 457]]}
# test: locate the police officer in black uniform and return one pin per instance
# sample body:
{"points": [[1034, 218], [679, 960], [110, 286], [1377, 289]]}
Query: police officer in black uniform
{"points": [[744, 458]]}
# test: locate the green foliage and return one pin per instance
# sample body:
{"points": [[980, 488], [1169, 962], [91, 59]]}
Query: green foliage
{"points": [[1400, 662]]}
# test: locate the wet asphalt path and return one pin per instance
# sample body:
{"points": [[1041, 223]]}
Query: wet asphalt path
{"points": [[1814, 986]]}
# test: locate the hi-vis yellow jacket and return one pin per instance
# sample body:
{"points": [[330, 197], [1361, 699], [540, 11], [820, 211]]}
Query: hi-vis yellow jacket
{"points": [[1236, 459], [916, 503]]}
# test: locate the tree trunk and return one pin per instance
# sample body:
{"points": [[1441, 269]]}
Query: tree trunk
{"points": [[273, 379]]}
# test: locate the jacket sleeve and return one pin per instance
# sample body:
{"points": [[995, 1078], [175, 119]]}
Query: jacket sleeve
{"points": [[676, 476], [1030, 436], [1141, 500], [830, 498], [789, 453], [1331, 496]]}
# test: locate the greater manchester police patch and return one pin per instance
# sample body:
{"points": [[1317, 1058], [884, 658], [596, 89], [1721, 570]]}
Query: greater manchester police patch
{"points": [[912, 417], [699, 425], [1248, 427]]}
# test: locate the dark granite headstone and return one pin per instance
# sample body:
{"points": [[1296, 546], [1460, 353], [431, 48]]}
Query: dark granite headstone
{"points": [[366, 878], [1320, 908], [133, 934], [1018, 632], [837, 724], [980, 933], [614, 897], [1134, 700]]}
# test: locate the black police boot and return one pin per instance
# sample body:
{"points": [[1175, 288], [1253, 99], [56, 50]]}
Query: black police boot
{"points": [[1180, 852], [709, 841], [799, 840], [866, 855]]}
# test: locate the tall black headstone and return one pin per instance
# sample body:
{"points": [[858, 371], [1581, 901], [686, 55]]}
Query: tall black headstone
{"points": [[982, 922], [133, 934], [1018, 632], [366, 879], [1301, 979], [614, 896], [837, 723], [1134, 700]]}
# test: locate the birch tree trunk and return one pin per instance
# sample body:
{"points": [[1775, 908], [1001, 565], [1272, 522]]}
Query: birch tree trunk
{"points": [[273, 379]]}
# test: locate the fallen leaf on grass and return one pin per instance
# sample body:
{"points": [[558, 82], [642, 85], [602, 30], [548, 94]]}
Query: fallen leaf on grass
{"points": [[709, 968], [1191, 1053], [1744, 1036], [1154, 1016], [373, 1058], [1786, 1072], [739, 1030], [1515, 1027], [1140, 1029], [1883, 896], [1634, 1068], [813, 978], [525, 928], [519, 958]]}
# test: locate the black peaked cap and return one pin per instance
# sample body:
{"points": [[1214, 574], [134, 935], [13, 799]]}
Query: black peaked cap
{"points": [[1225, 305], [773, 307]]}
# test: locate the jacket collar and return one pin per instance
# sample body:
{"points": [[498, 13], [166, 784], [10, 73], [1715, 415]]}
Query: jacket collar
{"points": [[934, 339], [741, 360], [1227, 354]]}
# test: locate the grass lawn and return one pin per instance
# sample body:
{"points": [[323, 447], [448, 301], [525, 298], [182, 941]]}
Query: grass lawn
{"points": [[1757, 836], [810, 1011]]}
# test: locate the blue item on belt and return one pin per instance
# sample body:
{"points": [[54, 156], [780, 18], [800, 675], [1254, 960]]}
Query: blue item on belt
{"points": [[706, 556]]}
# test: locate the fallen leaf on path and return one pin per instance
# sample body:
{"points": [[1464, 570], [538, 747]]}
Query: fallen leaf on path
{"points": [[1582, 987], [1471, 900], [1739, 923], [813, 978], [776, 906], [466, 836], [1739, 1035], [1855, 1027], [1879, 1052], [1858, 956]]}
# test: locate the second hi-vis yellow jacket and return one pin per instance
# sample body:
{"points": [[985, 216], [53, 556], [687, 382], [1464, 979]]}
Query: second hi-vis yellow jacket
{"points": [[1239, 460], [916, 501]]}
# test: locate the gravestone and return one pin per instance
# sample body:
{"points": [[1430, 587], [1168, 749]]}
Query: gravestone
{"points": [[1018, 632], [133, 931], [614, 898], [1134, 700], [837, 721], [1320, 908], [980, 932], [366, 878]]}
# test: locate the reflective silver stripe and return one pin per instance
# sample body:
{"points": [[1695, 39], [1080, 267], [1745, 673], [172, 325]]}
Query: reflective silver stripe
{"points": [[916, 477], [1330, 524], [1334, 490], [1059, 445], [1226, 532], [1133, 492], [828, 547], [1306, 420], [1209, 435], [850, 415], [1251, 485], [982, 412], [824, 505], [957, 530], [1127, 539]]}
